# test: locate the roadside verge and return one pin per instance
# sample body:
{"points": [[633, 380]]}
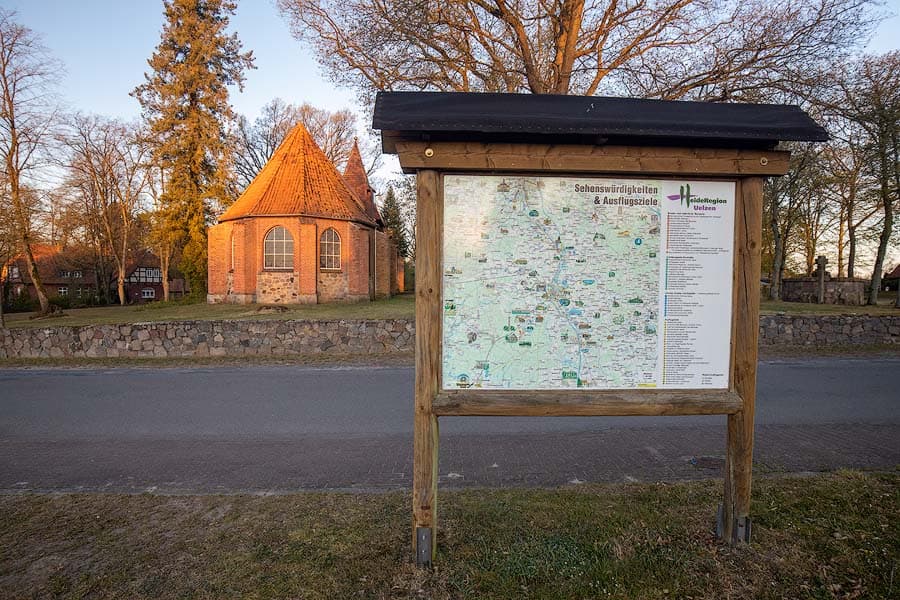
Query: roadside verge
{"points": [[829, 535]]}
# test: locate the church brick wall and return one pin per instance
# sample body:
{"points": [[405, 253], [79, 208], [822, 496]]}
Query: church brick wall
{"points": [[218, 267], [359, 254], [309, 259], [383, 262], [237, 273], [243, 268], [398, 285]]}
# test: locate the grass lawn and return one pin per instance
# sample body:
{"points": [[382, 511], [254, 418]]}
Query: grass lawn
{"points": [[827, 536], [398, 307], [885, 307]]}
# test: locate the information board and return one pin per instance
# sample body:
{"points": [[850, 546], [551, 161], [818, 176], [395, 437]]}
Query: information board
{"points": [[586, 282]]}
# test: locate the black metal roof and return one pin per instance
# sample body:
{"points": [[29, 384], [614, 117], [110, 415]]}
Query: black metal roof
{"points": [[587, 119]]}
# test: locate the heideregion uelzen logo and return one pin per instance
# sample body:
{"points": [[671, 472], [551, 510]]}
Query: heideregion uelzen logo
{"points": [[684, 196], [701, 203]]}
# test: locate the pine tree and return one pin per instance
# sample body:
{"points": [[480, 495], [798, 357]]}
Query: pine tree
{"points": [[185, 103], [393, 221]]}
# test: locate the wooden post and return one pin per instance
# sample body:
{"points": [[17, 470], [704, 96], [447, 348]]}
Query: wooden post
{"points": [[429, 228], [735, 525]]}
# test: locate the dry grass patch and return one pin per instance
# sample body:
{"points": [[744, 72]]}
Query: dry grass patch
{"points": [[829, 536], [885, 307]]}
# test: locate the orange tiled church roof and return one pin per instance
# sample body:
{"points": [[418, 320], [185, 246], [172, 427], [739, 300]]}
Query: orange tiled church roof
{"points": [[355, 176], [298, 180]]}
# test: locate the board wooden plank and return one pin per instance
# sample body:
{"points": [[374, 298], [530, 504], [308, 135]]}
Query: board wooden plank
{"points": [[738, 223], [643, 161], [585, 403], [428, 353], [739, 453]]}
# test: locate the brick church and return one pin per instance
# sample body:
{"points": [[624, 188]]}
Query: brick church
{"points": [[303, 233]]}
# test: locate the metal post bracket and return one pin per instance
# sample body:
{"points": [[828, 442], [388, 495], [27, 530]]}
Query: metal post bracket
{"points": [[423, 547], [742, 529]]}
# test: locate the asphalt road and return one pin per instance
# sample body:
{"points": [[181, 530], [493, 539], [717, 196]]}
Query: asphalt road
{"points": [[282, 428]]}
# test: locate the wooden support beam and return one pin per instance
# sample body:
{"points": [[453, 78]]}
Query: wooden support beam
{"points": [[739, 453], [429, 228], [596, 160], [585, 403]]}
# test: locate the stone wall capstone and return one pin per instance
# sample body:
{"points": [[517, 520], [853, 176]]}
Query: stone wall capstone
{"points": [[279, 338]]}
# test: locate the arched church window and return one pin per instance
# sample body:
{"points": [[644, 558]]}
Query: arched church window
{"points": [[330, 250], [278, 250]]}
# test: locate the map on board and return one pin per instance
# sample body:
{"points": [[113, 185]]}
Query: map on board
{"points": [[557, 282]]}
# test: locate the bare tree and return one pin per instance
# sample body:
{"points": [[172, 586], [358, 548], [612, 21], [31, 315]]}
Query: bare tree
{"points": [[850, 184], [333, 131], [816, 218], [783, 199], [27, 115], [106, 167], [162, 236], [867, 93], [714, 49], [9, 242]]}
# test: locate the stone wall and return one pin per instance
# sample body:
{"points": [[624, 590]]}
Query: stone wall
{"points": [[333, 286], [277, 287], [837, 291], [209, 338], [838, 330], [275, 338]]}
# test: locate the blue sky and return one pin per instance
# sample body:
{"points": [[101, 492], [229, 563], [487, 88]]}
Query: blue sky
{"points": [[105, 45]]}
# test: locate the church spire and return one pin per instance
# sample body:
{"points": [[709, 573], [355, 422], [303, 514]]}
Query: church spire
{"points": [[358, 182]]}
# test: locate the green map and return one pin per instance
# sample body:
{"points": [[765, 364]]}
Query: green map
{"points": [[550, 282]]}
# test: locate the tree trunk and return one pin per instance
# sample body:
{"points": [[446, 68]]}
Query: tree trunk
{"points": [[120, 284], [36, 277], [102, 281], [123, 257], [810, 257], [842, 234], [895, 161], [164, 269], [851, 253], [885, 238], [570, 19], [777, 261]]}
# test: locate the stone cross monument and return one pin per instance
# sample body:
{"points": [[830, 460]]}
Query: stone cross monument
{"points": [[821, 261]]}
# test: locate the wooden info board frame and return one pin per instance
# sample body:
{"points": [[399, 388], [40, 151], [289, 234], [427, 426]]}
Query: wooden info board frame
{"points": [[746, 168]]}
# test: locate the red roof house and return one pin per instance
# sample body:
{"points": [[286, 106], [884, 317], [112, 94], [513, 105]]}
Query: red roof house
{"points": [[64, 274]]}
